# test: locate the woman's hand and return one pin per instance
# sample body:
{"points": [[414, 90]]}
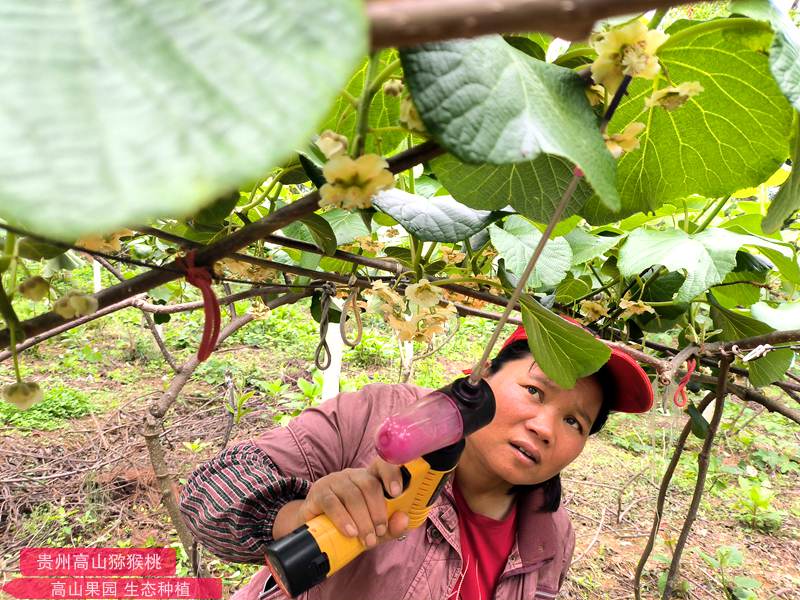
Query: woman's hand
{"points": [[353, 499]]}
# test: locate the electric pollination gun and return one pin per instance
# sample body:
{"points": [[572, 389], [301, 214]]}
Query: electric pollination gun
{"points": [[426, 439]]}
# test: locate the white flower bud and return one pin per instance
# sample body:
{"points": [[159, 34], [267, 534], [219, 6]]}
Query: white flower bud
{"points": [[23, 395], [34, 288]]}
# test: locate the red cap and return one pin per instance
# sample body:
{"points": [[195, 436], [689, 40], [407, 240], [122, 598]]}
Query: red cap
{"points": [[634, 392]]}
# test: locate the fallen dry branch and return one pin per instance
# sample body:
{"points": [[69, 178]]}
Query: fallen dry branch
{"points": [[594, 538]]}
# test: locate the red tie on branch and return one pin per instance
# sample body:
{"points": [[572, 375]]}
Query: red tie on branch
{"points": [[200, 277], [681, 391]]}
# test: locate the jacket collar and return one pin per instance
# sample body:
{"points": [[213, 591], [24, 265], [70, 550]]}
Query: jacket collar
{"points": [[537, 535]]}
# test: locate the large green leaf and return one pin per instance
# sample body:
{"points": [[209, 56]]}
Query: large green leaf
{"points": [[526, 45], [742, 294], [436, 219], [321, 232], [346, 225], [532, 188], [515, 243], [732, 135], [33, 249], [564, 351], [215, 213], [114, 113], [787, 266], [706, 257], [736, 326], [784, 53], [750, 224], [586, 246], [571, 289], [487, 102], [312, 230], [563, 227], [782, 255], [787, 200], [383, 111]]}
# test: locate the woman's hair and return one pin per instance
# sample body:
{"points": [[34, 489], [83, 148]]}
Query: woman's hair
{"points": [[552, 487]]}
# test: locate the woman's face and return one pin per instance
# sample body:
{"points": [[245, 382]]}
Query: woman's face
{"points": [[538, 428]]}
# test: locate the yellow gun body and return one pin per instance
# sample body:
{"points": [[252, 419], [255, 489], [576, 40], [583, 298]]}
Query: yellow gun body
{"points": [[423, 485]]}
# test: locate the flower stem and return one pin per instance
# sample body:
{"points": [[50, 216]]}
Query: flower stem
{"points": [[429, 253], [362, 123], [6, 308], [260, 198], [273, 200], [714, 212], [610, 284], [658, 16], [11, 252], [12, 340], [685, 216], [11, 241], [384, 75], [412, 184], [416, 252], [612, 107], [14, 328]]}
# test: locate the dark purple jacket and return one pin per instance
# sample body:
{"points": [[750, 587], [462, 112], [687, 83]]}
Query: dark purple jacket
{"points": [[230, 504]]}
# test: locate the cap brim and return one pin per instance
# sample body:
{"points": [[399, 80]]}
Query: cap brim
{"points": [[634, 391]]}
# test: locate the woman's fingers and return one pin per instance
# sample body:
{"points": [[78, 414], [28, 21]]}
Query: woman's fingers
{"points": [[372, 491], [389, 475], [392, 480], [329, 503], [398, 524], [353, 500]]}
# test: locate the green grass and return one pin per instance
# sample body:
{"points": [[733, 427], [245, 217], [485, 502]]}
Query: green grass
{"points": [[60, 404], [288, 328], [376, 349]]}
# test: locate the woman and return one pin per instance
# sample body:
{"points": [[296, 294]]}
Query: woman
{"points": [[497, 530]]}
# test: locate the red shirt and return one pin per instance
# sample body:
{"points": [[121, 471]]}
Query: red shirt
{"points": [[485, 546]]}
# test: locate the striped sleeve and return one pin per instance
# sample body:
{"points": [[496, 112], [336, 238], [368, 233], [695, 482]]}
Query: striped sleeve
{"points": [[230, 503]]}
